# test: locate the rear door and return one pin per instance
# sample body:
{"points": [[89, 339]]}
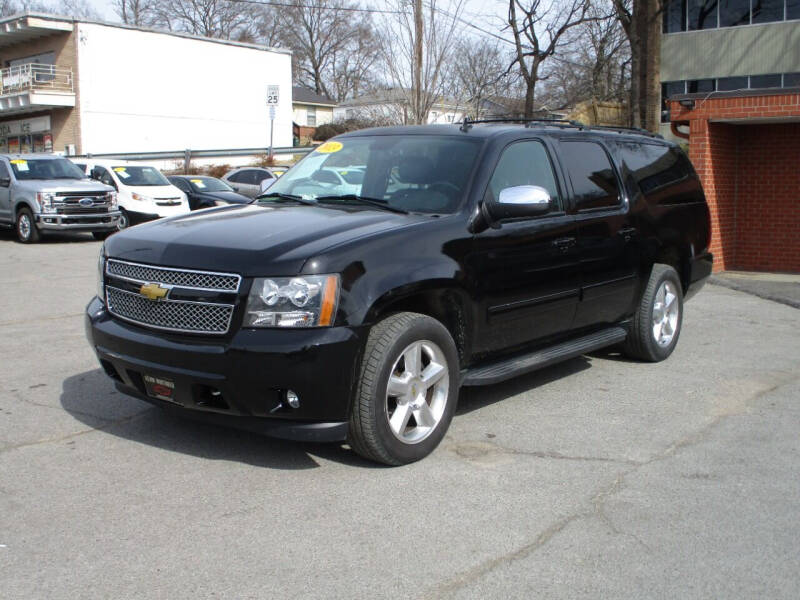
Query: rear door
{"points": [[526, 271], [608, 242]]}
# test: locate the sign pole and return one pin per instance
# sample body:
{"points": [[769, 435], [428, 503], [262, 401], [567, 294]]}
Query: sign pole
{"points": [[273, 92]]}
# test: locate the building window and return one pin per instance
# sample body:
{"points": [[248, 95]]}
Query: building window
{"points": [[768, 11], [759, 82], [675, 16], [311, 116], [734, 12], [729, 84], [702, 14], [700, 86], [791, 80], [793, 9], [349, 114], [669, 89]]}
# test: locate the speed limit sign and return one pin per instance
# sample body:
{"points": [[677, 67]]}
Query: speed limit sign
{"points": [[272, 94]]}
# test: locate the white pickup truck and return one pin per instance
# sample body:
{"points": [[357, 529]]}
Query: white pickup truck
{"points": [[40, 192]]}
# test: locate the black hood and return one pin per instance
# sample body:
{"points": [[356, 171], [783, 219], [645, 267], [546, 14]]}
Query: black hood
{"points": [[250, 239]]}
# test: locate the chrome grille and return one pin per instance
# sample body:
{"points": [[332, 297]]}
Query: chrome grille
{"points": [[175, 315], [202, 280]]}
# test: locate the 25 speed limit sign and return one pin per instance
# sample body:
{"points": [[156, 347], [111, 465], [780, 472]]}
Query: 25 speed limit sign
{"points": [[272, 94]]}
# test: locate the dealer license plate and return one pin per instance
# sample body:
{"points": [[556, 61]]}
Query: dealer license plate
{"points": [[160, 387]]}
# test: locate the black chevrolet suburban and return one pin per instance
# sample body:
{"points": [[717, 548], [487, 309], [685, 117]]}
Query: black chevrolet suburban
{"points": [[392, 266]]}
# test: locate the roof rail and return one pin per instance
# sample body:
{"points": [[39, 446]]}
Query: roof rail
{"points": [[467, 123]]}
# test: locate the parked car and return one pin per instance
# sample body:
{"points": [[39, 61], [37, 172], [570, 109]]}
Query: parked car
{"points": [[248, 180], [40, 193], [205, 192], [469, 255], [144, 194]]}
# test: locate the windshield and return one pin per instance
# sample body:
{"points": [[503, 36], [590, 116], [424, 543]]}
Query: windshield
{"points": [[45, 168], [135, 175], [410, 172], [209, 184]]}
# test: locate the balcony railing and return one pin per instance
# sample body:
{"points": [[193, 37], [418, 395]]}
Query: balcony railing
{"points": [[34, 77]]}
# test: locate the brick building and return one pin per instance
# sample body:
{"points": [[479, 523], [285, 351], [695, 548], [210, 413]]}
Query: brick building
{"points": [[745, 146], [730, 75]]}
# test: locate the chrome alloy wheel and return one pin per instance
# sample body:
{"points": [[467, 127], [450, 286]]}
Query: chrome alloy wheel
{"points": [[666, 310], [416, 394], [24, 226]]}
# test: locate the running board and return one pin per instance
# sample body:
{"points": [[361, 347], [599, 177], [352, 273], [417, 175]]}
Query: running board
{"points": [[517, 365]]}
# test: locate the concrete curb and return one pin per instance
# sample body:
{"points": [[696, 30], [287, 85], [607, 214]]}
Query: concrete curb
{"points": [[753, 291]]}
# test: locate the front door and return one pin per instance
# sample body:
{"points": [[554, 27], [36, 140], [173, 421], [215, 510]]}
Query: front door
{"points": [[608, 239], [5, 194], [525, 273]]}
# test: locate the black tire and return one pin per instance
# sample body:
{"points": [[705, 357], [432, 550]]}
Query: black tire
{"points": [[124, 220], [641, 342], [370, 434], [101, 235], [25, 226]]}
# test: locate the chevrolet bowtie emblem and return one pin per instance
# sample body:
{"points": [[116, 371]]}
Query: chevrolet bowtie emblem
{"points": [[154, 291]]}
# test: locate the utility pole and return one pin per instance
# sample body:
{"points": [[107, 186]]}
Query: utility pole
{"points": [[417, 91]]}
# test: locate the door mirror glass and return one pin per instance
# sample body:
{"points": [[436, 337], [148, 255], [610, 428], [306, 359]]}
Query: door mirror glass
{"points": [[521, 201]]}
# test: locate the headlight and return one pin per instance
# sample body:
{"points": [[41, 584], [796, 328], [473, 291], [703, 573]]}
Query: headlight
{"points": [[112, 199], [45, 200], [101, 267], [141, 197], [305, 301]]}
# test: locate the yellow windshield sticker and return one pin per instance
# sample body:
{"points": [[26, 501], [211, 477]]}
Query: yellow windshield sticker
{"points": [[19, 161], [198, 182], [119, 169], [329, 147]]}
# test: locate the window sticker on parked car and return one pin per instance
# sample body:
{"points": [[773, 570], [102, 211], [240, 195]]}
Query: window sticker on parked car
{"points": [[121, 172], [22, 165], [329, 147], [198, 182]]}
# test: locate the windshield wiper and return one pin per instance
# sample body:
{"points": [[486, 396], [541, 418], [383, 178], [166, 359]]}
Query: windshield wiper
{"points": [[376, 202], [282, 196]]}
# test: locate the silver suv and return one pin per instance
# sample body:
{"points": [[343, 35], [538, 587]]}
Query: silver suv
{"points": [[39, 192]]}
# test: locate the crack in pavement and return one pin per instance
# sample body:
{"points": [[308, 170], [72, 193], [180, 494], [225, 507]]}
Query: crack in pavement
{"points": [[75, 434], [598, 501]]}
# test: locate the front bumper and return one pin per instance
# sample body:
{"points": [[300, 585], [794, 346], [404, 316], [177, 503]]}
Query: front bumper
{"points": [[240, 381], [88, 222]]}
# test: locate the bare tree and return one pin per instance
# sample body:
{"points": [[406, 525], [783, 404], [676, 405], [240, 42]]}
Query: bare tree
{"points": [[419, 75], [210, 18], [142, 13], [334, 46], [476, 72], [539, 27]]}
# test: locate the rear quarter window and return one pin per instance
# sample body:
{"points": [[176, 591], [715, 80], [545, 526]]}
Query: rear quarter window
{"points": [[662, 173]]}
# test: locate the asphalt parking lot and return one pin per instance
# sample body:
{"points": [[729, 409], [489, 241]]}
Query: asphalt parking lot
{"points": [[596, 478]]}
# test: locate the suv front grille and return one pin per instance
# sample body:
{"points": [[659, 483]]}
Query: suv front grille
{"points": [[197, 301], [174, 315], [201, 280]]}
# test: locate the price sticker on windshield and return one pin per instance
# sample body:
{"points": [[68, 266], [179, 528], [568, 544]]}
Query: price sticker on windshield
{"points": [[329, 147], [22, 165]]}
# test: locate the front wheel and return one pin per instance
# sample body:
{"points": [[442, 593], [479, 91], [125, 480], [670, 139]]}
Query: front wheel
{"points": [[407, 392], [27, 233], [124, 220], [657, 322]]}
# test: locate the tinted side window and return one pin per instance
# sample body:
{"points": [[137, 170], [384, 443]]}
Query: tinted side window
{"points": [[238, 177], [255, 177], [3, 170], [593, 180], [525, 163], [105, 177], [181, 184], [662, 173]]}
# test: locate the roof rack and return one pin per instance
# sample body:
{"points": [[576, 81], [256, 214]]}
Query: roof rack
{"points": [[467, 123]]}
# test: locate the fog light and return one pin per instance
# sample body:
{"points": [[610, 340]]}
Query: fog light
{"points": [[292, 399]]}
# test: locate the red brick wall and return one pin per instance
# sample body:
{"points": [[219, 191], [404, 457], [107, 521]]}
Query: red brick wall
{"points": [[768, 198], [751, 177]]}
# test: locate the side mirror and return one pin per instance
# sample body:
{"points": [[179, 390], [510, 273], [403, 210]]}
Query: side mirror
{"points": [[5, 181], [95, 173], [520, 201], [235, 188]]}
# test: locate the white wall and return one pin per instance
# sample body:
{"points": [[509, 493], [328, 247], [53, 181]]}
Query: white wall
{"points": [[142, 91], [324, 115]]}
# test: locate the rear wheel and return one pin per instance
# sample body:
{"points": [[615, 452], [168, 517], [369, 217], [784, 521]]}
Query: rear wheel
{"points": [[27, 233], [407, 390], [657, 322]]}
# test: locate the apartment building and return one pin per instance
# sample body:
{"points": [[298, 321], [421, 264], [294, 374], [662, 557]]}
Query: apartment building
{"points": [[730, 72], [75, 87]]}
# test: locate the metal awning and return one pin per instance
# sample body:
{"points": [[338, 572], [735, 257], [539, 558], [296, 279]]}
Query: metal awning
{"points": [[26, 28]]}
